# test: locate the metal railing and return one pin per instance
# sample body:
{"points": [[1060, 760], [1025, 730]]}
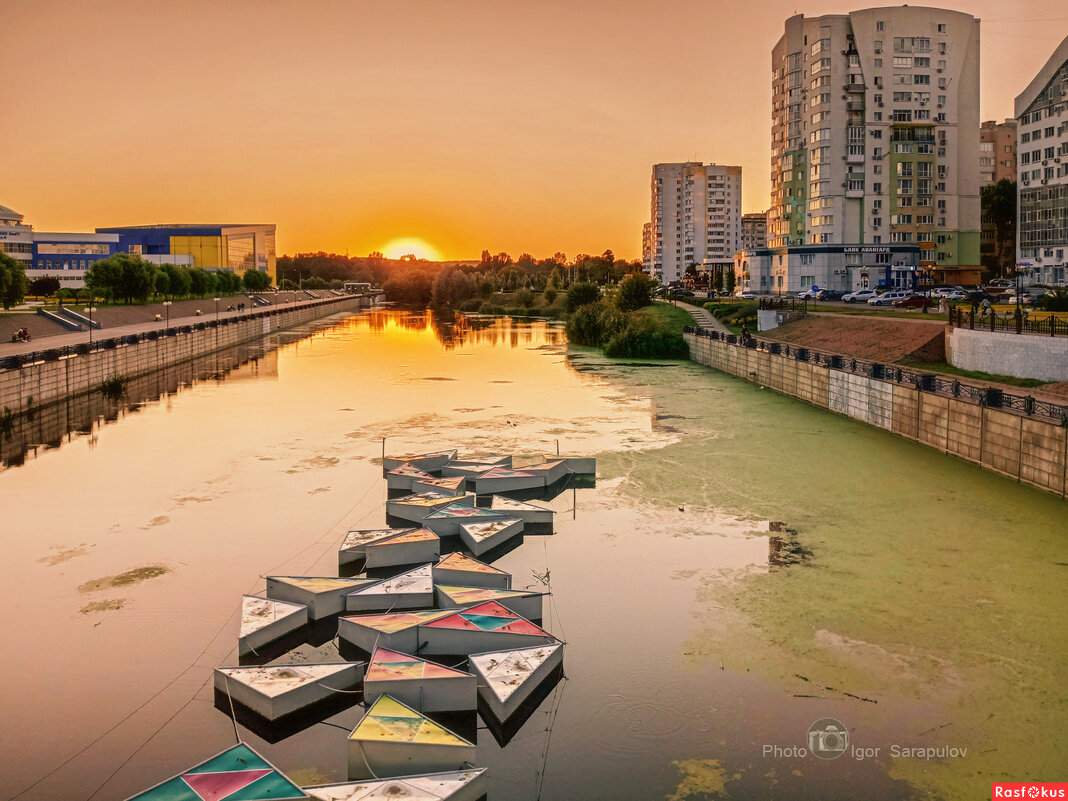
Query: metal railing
{"points": [[1018, 321], [783, 304], [933, 383], [82, 348]]}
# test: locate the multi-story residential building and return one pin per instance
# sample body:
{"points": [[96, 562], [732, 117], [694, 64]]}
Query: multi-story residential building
{"points": [[1042, 183], [875, 151], [695, 218], [997, 151], [755, 231]]}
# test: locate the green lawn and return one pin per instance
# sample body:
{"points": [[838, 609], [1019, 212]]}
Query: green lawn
{"points": [[671, 317], [863, 309]]}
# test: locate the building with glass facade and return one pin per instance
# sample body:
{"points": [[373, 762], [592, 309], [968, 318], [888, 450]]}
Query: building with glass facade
{"points": [[213, 247]]}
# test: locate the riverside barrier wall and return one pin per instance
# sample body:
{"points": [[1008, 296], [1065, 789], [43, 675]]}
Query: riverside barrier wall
{"points": [[32, 380], [1016, 435]]}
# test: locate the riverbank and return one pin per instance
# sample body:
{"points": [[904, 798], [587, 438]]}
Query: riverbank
{"points": [[31, 377]]}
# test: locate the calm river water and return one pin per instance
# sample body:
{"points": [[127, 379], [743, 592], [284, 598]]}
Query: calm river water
{"points": [[911, 596]]}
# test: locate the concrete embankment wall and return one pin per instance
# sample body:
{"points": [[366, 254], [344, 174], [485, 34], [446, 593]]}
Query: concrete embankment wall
{"points": [[1032, 450], [1002, 353], [59, 374]]}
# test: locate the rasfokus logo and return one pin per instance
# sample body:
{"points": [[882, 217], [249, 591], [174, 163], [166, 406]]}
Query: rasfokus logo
{"points": [[1029, 790]]}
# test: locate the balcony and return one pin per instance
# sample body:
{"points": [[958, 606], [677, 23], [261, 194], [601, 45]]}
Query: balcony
{"points": [[855, 105], [855, 158]]}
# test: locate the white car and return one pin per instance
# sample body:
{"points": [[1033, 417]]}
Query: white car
{"points": [[887, 298], [745, 295], [860, 296], [950, 294], [808, 294]]}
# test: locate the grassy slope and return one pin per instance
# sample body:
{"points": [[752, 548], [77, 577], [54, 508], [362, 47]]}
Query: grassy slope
{"points": [[671, 317]]}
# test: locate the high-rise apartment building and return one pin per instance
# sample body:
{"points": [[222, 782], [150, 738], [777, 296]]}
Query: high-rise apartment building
{"points": [[997, 151], [755, 230], [1042, 207], [695, 218], [875, 151]]}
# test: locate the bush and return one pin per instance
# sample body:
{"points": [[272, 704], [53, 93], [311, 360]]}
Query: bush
{"points": [[490, 308], [646, 341], [594, 324], [525, 298], [550, 294], [1058, 301], [581, 294], [470, 305], [634, 292], [44, 287]]}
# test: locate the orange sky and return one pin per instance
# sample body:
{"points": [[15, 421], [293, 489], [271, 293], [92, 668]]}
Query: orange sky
{"points": [[518, 126]]}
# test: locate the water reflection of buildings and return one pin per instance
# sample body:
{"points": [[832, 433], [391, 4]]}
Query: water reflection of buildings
{"points": [[54, 425], [453, 330]]}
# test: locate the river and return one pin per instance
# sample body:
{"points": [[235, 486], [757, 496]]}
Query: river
{"points": [[912, 596]]}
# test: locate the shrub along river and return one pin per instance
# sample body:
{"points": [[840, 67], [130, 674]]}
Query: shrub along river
{"points": [[915, 598]]}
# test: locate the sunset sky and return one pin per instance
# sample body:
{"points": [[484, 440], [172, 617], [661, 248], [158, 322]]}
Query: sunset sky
{"points": [[517, 126]]}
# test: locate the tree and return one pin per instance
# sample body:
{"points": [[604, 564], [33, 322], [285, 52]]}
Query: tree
{"points": [[729, 280], [525, 298], [202, 282], [451, 287], [163, 282], [44, 287], [634, 292], [412, 287], [178, 279], [257, 281], [13, 281], [999, 208], [581, 294]]}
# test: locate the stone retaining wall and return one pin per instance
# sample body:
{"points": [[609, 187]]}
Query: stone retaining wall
{"points": [[1021, 355], [1029, 449], [49, 380]]}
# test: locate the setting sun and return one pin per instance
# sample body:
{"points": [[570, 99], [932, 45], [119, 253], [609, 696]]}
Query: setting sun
{"points": [[410, 245]]}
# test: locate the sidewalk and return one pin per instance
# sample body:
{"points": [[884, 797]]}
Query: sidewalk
{"points": [[702, 316], [78, 337]]}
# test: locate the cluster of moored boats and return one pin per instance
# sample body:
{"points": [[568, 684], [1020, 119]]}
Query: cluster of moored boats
{"points": [[402, 594]]}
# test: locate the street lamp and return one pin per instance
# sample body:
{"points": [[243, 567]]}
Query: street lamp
{"points": [[216, 310], [90, 308], [167, 310]]}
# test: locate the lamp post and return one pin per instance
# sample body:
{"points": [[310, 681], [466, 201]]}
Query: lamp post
{"points": [[216, 311], [167, 310], [90, 308]]}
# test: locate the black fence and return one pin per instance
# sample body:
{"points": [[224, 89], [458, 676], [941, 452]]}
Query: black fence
{"points": [[933, 383], [1018, 321], [783, 304], [110, 343]]}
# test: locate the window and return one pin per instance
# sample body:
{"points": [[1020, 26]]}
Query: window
{"points": [[942, 48], [923, 114], [921, 61], [921, 79], [1025, 158], [901, 236], [877, 188], [1049, 131], [901, 219], [904, 169], [923, 169], [877, 134], [902, 97], [903, 62], [807, 258], [878, 62], [905, 202], [900, 79], [942, 83], [855, 185], [904, 187], [879, 27]]}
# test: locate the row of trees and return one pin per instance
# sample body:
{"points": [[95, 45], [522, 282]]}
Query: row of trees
{"points": [[130, 278]]}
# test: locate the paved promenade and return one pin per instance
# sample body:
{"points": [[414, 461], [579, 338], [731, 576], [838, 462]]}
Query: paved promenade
{"points": [[78, 337]]}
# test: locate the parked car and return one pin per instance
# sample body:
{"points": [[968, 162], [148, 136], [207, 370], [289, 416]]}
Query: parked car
{"points": [[860, 296], [951, 294], [914, 302], [978, 296], [887, 298], [682, 293], [830, 294], [946, 291], [1000, 283], [745, 295], [809, 294]]}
